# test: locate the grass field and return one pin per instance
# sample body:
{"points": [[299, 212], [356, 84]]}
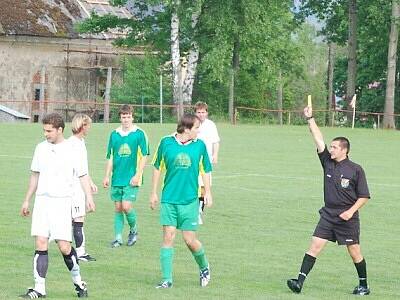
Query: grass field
{"points": [[267, 190]]}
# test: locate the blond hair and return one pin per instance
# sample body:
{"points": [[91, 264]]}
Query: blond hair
{"points": [[79, 121], [200, 105]]}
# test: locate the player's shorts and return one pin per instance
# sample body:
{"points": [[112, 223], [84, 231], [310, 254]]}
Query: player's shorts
{"points": [[78, 208], [124, 193], [51, 218], [181, 216], [346, 233], [201, 183]]}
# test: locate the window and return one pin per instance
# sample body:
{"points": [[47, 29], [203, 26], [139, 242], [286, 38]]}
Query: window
{"points": [[37, 94], [35, 118]]}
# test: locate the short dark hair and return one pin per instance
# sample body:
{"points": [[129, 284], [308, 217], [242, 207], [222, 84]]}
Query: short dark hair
{"points": [[344, 143], [186, 122], [125, 109], [200, 105], [54, 119]]}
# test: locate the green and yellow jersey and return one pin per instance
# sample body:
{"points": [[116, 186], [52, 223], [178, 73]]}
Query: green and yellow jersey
{"points": [[182, 164], [126, 149]]}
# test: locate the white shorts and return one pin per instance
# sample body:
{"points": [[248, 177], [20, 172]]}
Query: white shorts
{"points": [[51, 218], [201, 183], [78, 208]]}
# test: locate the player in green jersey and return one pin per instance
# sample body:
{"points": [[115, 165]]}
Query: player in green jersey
{"points": [[183, 157], [127, 153]]}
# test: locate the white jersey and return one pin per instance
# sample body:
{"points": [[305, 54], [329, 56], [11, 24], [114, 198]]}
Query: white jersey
{"points": [[79, 146], [58, 165], [208, 133]]}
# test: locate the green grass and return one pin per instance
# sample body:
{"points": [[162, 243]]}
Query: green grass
{"points": [[267, 190]]}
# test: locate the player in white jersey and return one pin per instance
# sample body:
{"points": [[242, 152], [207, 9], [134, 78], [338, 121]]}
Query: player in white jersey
{"points": [[80, 126], [53, 167], [208, 133]]}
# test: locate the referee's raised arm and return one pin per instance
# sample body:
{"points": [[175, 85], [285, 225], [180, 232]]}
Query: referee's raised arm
{"points": [[316, 133]]}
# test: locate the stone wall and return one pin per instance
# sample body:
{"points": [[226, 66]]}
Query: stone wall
{"points": [[23, 59]]}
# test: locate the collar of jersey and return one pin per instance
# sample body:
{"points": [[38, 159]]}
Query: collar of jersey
{"points": [[179, 142], [125, 133]]}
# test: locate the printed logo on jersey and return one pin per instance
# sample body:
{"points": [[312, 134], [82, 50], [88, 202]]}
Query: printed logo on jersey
{"points": [[182, 161], [124, 150], [345, 183]]}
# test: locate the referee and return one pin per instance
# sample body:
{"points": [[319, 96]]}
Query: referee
{"points": [[345, 192]]}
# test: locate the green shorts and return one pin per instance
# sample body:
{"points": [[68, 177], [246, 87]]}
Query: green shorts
{"points": [[181, 216], [124, 193]]}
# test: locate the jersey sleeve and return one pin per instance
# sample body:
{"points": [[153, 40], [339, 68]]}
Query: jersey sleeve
{"points": [[35, 165], [362, 185], [324, 156], [109, 147], [158, 160], [205, 164], [214, 137], [144, 145]]}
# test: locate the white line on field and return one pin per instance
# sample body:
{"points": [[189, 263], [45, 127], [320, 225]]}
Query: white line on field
{"points": [[15, 156]]}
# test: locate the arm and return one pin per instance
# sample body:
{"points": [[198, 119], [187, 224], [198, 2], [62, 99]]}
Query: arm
{"points": [[33, 183], [215, 153], [109, 167], [154, 187], [315, 132], [85, 183], [348, 214], [207, 189], [93, 187], [136, 180]]}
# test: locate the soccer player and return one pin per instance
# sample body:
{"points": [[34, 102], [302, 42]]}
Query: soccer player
{"points": [[208, 133], [183, 157], [127, 153], [54, 165], [80, 127], [345, 192]]}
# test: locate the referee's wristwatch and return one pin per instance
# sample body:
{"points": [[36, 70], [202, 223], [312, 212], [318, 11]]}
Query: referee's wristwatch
{"points": [[309, 118]]}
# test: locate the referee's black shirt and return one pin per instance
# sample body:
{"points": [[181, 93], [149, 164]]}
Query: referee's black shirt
{"points": [[344, 184]]}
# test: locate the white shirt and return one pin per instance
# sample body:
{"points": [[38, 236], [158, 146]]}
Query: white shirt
{"points": [[79, 146], [57, 164], [208, 133]]}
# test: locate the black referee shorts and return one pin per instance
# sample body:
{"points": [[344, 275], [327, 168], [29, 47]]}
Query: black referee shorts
{"points": [[344, 233]]}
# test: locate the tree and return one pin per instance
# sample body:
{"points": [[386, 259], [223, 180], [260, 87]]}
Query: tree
{"points": [[168, 27], [388, 118]]}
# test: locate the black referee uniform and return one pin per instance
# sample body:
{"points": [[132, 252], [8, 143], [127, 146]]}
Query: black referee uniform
{"points": [[344, 184]]}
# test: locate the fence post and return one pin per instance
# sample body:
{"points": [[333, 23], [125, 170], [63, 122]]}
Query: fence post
{"points": [[379, 120], [289, 115]]}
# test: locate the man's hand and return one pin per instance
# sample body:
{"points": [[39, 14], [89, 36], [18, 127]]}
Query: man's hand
{"points": [[346, 215], [106, 182], [135, 180], [93, 187], [90, 205], [153, 200], [208, 199], [25, 209], [307, 112]]}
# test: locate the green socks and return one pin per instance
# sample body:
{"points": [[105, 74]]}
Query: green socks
{"points": [[118, 225], [200, 258], [131, 218], [166, 257]]}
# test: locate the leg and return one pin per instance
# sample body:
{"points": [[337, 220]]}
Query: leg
{"points": [[198, 253], [130, 214], [166, 256], [361, 267], [40, 264], [118, 224], [316, 246], [72, 263]]}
